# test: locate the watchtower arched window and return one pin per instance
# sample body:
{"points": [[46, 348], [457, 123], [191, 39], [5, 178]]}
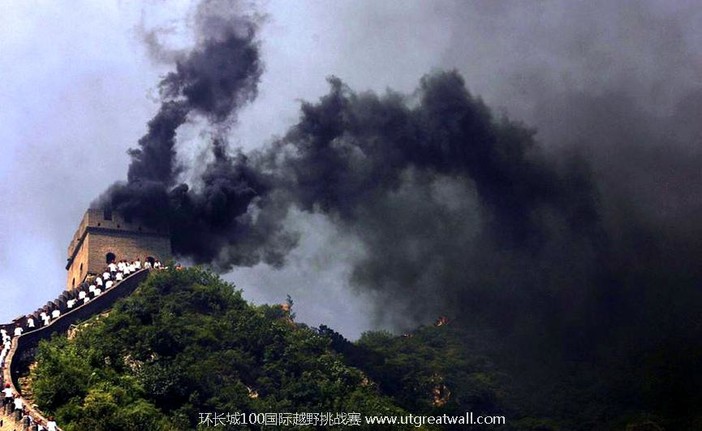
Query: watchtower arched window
{"points": [[110, 257], [81, 270]]}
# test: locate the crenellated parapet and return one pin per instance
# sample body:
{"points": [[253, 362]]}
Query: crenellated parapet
{"points": [[23, 347], [105, 236]]}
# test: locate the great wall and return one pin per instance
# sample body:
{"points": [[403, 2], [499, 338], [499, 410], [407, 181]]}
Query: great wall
{"points": [[23, 347], [101, 237]]}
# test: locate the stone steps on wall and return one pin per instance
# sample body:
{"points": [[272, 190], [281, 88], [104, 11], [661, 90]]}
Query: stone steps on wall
{"points": [[29, 340]]}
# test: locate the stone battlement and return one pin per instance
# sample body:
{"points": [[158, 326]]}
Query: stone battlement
{"points": [[105, 236]]}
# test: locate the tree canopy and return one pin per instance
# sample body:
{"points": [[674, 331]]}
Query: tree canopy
{"points": [[187, 343]]}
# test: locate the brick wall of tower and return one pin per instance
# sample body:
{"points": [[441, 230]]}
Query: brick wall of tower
{"points": [[100, 233], [79, 267], [124, 245]]}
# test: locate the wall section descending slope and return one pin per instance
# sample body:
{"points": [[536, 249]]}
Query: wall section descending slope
{"points": [[21, 353]]}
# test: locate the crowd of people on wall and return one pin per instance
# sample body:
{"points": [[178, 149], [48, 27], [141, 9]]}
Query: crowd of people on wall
{"points": [[93, 286], [13, 406]]}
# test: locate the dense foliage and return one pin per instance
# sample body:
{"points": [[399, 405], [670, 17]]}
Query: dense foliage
{"points": [[187, 343]]}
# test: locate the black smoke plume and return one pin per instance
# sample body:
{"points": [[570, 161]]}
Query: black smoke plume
{"points": [[209, 221], [456, 207], [588, 279], [565, 260]]}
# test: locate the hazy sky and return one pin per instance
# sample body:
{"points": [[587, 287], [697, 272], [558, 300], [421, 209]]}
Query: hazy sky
{"points": [[78, 86]]}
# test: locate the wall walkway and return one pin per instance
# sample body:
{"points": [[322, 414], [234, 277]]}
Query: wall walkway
{"points": [[23, 347]]}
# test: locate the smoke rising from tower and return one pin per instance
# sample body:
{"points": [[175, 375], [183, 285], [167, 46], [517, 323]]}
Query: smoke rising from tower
{"points": [[209, 222], [459, 210]]}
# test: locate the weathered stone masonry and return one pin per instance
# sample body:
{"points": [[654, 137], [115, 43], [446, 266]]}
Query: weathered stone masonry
{"points": [[104, 234]]}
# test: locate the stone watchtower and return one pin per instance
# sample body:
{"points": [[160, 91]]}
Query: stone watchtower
{"points": [[104, 236]]}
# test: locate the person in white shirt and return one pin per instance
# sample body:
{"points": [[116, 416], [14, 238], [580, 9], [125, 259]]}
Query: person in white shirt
{"points": [[18, 331], [98, 291], [106, 275], [119, 276], [137, 264], [55, 314], [8, 394], [51, 424], [70, 303], [82, 294], [112, 266], [30, 322], [109, 284], [98, 282], [19, 405]]}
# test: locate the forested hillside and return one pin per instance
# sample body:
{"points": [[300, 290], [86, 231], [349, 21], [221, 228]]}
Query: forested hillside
{"points": [[187, 344]]}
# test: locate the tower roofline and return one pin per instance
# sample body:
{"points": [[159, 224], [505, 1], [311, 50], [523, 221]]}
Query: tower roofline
{"points": [[108, 220], [104, 235], [106, 231]]}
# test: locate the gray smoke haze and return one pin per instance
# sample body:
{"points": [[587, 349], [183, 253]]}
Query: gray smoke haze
{"points": [[569, 226], [460, 210]]}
